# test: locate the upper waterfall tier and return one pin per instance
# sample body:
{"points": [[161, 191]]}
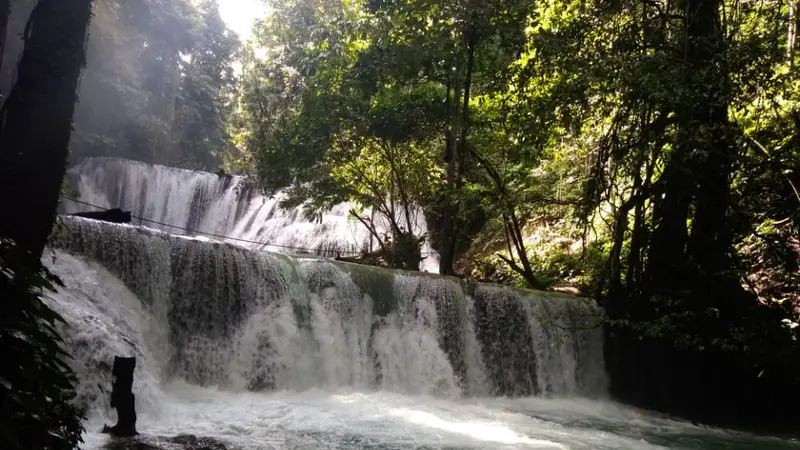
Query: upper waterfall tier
{"points": [[183, 201], [211, 313]]}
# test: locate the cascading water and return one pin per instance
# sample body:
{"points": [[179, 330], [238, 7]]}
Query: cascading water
{"points": [[265, 350], [268, 351], [224, 316], [182, 201]]}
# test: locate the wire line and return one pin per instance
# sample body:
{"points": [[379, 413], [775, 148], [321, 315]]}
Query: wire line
{"points": [[219, 236]]}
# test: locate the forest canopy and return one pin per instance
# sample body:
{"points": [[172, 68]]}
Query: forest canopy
{"points": [[158, 82], [600, 146], [580, 140]]}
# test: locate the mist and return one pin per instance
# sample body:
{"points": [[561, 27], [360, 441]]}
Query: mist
{"points": [[157, 85]]}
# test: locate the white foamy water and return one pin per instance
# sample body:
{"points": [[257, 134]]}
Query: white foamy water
{"points": [[321, 419], [359, 420], [183, 201], [267, 352]]}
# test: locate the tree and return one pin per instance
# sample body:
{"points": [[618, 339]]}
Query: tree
{"points": [[206, 83], [374, 151], [18, 13], [353, 60], [158, 79], [651, 88], [36, 121]]}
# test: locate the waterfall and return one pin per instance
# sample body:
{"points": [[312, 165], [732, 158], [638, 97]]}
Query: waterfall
{"points": [[215, 314], [222, 296], [262, 348], [182, 201]]}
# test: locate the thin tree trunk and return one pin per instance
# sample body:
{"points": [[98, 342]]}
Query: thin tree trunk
{"points": [[527, 273], [36, 120], [462, 142], [791, 39], [447, 257]]}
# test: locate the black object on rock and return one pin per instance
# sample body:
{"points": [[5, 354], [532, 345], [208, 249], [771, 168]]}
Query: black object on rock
{"points": [[115, 215], [122, 398]]}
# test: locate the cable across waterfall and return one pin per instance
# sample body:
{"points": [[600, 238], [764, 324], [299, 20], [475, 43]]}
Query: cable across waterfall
{"points": [[181, 201]]}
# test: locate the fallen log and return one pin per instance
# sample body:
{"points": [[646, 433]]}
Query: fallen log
{"points": [[115, 215]]}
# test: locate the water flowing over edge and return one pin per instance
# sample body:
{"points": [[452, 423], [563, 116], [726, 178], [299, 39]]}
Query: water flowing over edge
{"points": [[214, 314], [181, 201]]}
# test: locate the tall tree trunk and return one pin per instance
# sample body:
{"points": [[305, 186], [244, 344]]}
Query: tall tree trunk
{"points": [[36, 120], [456, 169], [708, 120], [5, 14], [696, 181], [450, 212], [666, 258]]}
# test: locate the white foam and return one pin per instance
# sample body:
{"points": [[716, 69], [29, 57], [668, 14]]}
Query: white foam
{"points": [[207, 203], [416, 406]]}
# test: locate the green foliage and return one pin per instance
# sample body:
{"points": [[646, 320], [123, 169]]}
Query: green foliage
{"points": [[572, 267], [558, 261], [663, 147], [158, 83], [68, 189], [202, 103], [771, 254], [37, 385]]}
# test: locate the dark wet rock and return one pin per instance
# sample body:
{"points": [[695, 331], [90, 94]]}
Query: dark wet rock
{"points": [[180, 442]]}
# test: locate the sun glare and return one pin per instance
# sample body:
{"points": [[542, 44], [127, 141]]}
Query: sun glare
{"points": [[240, 15]]}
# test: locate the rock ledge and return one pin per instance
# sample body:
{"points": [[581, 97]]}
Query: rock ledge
{"points": [[180, 442]]}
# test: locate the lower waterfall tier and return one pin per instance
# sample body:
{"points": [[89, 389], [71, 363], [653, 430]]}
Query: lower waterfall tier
{"points": [[214, 314], [264, 351]]}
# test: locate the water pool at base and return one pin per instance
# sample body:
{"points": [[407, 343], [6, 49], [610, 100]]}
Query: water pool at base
{"points": [[318, 419]]}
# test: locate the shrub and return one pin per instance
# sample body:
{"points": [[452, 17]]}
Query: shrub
{"points": [[37, 385]]}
